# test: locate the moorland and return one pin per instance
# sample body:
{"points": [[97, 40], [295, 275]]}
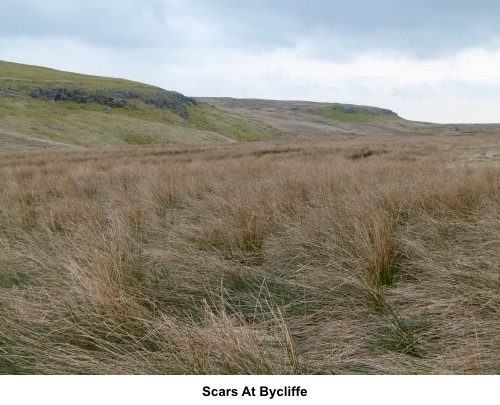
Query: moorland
{"points": [[145, 232]]}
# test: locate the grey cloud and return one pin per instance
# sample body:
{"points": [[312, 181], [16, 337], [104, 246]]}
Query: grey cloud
{"points": [[425, 28], [331, 29], [335, 28], [127, 23]]}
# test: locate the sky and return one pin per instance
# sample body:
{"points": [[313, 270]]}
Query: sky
{"points": [[427, 60]]}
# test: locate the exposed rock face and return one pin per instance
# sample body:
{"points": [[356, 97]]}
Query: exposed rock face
{"points": [[174, 101], [382, 111], [350, 110], [5, 90]]}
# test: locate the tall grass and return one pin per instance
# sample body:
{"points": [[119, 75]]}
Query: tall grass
{"points": [[355, 256]]}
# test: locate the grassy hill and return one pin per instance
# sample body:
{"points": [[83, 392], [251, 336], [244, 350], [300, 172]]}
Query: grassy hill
{"points": [[307, 119], [40, 106]]}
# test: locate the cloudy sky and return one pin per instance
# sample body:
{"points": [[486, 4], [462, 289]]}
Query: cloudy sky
{"points": [[428, 60]]}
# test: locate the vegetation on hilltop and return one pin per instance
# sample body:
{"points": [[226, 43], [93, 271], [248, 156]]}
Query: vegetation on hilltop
{"points": [[305, 119], [355, 113]]}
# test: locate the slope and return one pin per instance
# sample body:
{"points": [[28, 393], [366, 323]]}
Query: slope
{"points": [[311, 119], [43, 107]]}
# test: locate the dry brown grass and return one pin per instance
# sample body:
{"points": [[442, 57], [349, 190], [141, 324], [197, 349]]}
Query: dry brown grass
{"points": [[369, 256]]}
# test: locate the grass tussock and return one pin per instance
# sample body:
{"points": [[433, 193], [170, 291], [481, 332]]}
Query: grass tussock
{"points": [[317, 257]]}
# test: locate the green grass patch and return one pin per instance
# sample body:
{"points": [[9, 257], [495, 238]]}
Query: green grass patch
{"points": [[207, 117], [355, 113]]}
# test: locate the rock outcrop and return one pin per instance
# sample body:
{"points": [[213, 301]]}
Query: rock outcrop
{"points": [[352, 109], [176, 102], [382, 111], [12, 90]]}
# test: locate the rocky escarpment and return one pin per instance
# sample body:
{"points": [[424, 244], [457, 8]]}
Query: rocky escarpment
{"points": [[176, 102], [352, 109]]}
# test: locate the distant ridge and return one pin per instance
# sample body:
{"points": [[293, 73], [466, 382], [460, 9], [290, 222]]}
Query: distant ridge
{"points": [[43, 107], [319, 119]]}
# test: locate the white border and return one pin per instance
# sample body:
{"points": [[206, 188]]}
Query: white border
{"points": [[372, 390]]}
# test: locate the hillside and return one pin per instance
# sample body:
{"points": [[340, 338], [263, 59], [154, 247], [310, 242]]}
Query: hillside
{"points": [[46, 107], [310, 119], [41, 107]]}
